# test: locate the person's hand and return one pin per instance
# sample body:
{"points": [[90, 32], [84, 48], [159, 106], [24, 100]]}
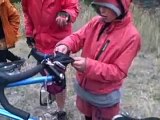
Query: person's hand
{"points": [[62, 18], [62, 48], [30, 42], [79, 64]]}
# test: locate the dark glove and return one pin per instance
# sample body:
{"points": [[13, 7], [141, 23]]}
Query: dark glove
{"points": [[60, 61], [30, 41], [65, 59], [62, 18]]}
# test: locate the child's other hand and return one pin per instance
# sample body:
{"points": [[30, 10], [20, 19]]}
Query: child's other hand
{"points": [[79, 64], [62, 49]]}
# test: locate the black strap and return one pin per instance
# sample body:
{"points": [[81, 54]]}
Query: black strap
{"points": [[1, 30], [88, 118], [122, 10], [103, 29]]}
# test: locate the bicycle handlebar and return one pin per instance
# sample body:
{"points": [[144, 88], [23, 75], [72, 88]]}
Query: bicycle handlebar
{"points": [[2, 64], [8, 66], [46, 63], [60, 61], [39, 56], [10, 108], [7, 79]]}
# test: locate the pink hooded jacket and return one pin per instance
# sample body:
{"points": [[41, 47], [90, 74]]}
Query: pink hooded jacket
{"points": [[107, 58], [40, 21]]}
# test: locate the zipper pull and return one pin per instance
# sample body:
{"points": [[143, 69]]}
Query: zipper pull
{"points": [[105, 45], [103, 49]]}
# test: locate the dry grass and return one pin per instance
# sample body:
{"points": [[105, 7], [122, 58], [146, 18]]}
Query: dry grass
{"points": [[140, 91]]}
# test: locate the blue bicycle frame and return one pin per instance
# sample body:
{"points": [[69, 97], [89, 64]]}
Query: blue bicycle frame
{"points": [[32, 80]]}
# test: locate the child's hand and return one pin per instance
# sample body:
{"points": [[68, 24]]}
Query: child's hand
{"points": [[79, 64], [61, 48]]}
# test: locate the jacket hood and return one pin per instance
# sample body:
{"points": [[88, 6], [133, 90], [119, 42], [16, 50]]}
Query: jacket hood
{"points": [[122, 4], [126, 4]]}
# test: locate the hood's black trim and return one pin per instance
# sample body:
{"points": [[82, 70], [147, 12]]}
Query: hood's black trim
{"points": [[124, 12]]}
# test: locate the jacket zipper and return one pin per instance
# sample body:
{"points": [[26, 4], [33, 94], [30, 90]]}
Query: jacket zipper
{"points": [[102, 49]]}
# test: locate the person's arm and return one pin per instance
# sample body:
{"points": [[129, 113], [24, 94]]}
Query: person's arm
{"points": [[75, 41], [102, 72], [28, 22], [13, 17], [72, 8]]}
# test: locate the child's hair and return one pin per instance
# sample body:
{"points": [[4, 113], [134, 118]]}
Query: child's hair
{"points": [[15, 1], [12, 1]]}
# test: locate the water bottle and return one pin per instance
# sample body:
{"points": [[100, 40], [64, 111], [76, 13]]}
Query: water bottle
{"points": [[44, 101]]}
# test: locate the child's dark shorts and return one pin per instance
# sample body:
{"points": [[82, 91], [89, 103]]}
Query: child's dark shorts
{"points": [[96, 113]]}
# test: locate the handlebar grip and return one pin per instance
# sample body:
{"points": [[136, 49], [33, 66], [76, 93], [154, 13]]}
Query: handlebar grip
{"points": [[7, 106], [6, 79]]}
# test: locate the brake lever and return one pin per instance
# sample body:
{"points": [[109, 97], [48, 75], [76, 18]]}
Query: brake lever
{"points": [[59, 65], [49, 63]]}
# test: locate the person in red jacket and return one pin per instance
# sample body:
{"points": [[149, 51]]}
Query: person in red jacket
{"points": [[109, 43], [46, 23]]}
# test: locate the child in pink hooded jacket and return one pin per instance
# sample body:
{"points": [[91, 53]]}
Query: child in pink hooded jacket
{"points": [[109, 43]]}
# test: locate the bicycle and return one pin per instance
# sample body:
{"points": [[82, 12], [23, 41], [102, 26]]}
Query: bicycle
{"points": [[25, 78]]}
